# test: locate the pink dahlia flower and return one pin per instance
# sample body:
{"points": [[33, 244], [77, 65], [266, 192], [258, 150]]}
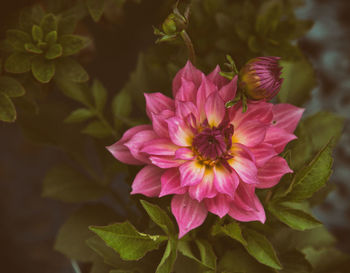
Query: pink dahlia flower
{"points": [[209, 157], [261, 78]]}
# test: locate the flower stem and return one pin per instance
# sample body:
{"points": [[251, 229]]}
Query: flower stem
{"points": [[189, 45]]}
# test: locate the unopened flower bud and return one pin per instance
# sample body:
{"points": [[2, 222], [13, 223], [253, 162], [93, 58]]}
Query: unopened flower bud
{"points": [[260, 78]]}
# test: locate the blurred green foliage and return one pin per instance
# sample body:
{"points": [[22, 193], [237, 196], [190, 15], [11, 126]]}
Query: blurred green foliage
{"points": [[44, 85]]}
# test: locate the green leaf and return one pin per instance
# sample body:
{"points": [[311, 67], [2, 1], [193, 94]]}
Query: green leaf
{"points": [[207, 253], [331, 126], [75, 91], [295, 262], [167, 263], [268, 17], [312, 177], [299, 80], [100, 94], [109, 256], [18, 63], [96, 129], [261, 249], [72, 44], [37, 33], [7, 109], [207, 259], [95, 8], [11, 87], [294, 218], [70, 70], [127, 241], [72, 236], [48, 23], [159, 216], [42, 69], [17, 39], [51, 37], [325, 260], [30, 47], [67, 185], [79, 115], [121, 104], [30, 16], [239, 261], [54, 51], [233, 230]]}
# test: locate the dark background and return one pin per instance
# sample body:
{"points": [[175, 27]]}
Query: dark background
{"points": [[28, 222]]}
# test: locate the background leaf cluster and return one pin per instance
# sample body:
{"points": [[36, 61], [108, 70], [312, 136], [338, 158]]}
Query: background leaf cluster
{"points": [[57, 103]]}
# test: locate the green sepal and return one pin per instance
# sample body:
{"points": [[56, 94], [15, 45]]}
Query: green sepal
{"points": [[31, 48], [7, 109], [18, 63], [127, 241], [37, 33], [79, 115], [43, 70], [17, 39], [72, 44], [54, 51], [159, 216], [11, 87]]}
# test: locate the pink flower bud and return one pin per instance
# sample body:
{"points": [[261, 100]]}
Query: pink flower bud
{"points": [[260, 78]]}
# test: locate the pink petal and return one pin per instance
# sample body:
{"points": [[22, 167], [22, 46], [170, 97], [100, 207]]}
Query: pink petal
{"points": [[192, 173], [179, 132], [243, 213], [219, 205], [171, 183], [205, 189], [228, 91], [250, 133], [187, 91], [278, 138], [160, 146], [189, 73], [121, 152], [157, 102], [184, 153], [243, 163], [271, 173], [165, 162], [189, 213], [263, 153], [160, 126], [216, 78], [184, 108], [214, 109], [225, 182], [286, 116], [147, 181], [204, 90], [135, 144], [261, 111]]}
